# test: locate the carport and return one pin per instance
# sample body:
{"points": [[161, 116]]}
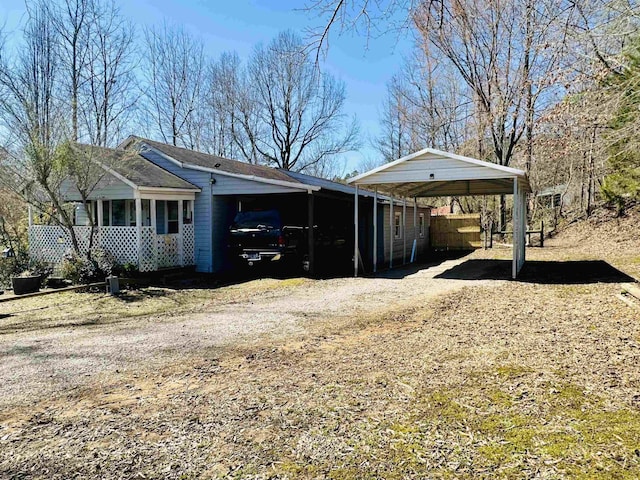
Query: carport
{"points": [[434, 173]]}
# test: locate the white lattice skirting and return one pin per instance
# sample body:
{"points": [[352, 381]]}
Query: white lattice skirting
{"points": [[150, 252]]}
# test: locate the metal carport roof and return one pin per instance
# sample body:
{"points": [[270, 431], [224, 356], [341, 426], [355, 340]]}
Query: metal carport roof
{"points": [[434, 173]]}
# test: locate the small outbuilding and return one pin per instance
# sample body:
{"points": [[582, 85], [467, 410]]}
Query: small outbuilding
{"points": [[434, 173]]}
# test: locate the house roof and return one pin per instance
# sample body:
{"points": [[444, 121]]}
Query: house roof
{"points": [[330, 184], [135, 168], [194, 159], [214, 162]]}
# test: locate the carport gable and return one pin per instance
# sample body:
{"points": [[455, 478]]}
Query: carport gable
{"points": [[433, 173]]}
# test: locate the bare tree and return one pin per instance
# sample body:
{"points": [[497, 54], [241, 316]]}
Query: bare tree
{"points": [[72, 21], [228, 110], [426, 106], [362, 16], [393, 142], [300, 116], [32, 116], [499, 50], [39, 162], [173, 70], [108, 89]]}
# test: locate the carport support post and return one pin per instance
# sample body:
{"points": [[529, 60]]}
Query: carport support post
{"points": [[523, 209], [311, 239], [404, 231], [355, 233], [391, 232], [375, 230], [516, 228], [415, 227]]}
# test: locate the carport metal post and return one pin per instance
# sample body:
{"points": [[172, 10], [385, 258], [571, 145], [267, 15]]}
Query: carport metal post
{"points": [[415, 227], [391, 232], [310, 236], [375, 229], [404, 230], [516, 228], [355, 233]]}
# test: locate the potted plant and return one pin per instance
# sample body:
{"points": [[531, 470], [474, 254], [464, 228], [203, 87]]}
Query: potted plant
{"points": [[26, 282]]}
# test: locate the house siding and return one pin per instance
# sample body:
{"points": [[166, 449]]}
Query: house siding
{"points": [[422, 243], [226, 185], [202, 207], [108, 187]]}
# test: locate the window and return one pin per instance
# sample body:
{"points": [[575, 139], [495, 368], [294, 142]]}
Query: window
{"points": [[118, 210], [187, 214], [421, 225], [106, 216], [397, 229], [131, 213], [146, 213], [172, 216]]}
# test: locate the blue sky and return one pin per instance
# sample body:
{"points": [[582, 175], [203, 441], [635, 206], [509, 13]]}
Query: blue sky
{"points": [[238, 25]]}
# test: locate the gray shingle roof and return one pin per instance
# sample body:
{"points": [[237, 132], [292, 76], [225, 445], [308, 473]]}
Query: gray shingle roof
{"points": [[135, 168], [200, 159]]}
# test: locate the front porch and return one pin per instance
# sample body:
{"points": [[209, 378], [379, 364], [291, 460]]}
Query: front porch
{"points": [[150, 233]]}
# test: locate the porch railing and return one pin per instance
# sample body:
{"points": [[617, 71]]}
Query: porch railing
{"points": [[149, 250]]}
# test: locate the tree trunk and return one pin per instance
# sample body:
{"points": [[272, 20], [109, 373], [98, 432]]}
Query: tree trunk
{"points": [[503, 213]]}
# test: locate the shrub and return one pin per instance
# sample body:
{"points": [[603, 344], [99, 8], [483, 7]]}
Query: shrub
{"points": [[129, 269], [105, 262], [78, 268], [9, 267], [82, 269], [43, 269]]}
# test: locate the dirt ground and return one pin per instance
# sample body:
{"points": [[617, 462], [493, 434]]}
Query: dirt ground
{"points": [[451, 371]]}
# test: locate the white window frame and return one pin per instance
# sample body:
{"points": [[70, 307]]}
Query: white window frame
{"points": [[421, 224], [397, 225], [166, 217]]}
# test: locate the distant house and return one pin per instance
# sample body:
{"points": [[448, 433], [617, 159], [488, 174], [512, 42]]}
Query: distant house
{"points": [[161, 206]]}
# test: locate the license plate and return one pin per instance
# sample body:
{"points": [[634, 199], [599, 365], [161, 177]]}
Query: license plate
{"points": [[253, 256]]}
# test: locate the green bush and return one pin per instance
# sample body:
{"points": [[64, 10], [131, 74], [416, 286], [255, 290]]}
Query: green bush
{"points": [[129, 269], [84, 269], [622, 187], [78, 268], [9, 267], [104, 261], [38, 267]]}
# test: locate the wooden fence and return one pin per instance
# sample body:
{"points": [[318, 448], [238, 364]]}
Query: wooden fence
{"points": [[455, 232]]}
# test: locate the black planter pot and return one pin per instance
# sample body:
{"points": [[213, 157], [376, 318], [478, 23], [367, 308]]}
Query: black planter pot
{"points": [[22, 285]]}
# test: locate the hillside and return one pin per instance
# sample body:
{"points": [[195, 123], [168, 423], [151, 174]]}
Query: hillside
{"points": [[604, 236]]}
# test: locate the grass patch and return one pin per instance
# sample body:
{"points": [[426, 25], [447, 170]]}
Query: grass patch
{"points": [[77, 309]]}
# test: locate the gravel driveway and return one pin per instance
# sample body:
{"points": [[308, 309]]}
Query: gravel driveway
{"points": [[39, 363]]}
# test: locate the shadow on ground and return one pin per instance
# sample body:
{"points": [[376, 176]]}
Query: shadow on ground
{"points": [[542, 272], [434, 259]]}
